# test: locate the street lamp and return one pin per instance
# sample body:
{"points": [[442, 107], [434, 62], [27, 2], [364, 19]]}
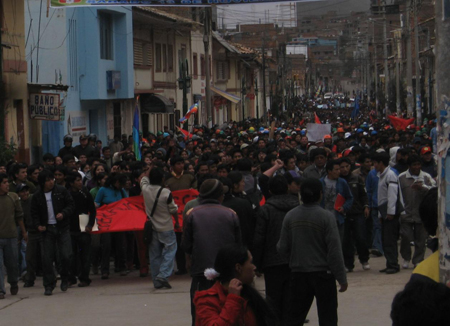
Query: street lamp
{"points": [[257, 104], [184, 83]]}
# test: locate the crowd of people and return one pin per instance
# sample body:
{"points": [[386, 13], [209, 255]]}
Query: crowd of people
{"points": [[271, 201]]}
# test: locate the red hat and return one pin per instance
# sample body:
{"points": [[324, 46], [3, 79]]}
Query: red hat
{"points": [[425, 150], [327, 137], [340, 130]]}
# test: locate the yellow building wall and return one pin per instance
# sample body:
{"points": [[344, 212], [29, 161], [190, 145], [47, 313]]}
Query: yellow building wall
{"points": [[17, 120]]}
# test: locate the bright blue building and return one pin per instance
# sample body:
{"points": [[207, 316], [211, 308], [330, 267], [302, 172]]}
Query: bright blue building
{"points": [[89, 50]]}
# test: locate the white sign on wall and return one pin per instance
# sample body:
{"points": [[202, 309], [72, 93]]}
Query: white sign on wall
{"points": [[44, 106]]}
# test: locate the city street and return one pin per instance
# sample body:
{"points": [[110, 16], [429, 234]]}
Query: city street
{"points": [[131, 300]]}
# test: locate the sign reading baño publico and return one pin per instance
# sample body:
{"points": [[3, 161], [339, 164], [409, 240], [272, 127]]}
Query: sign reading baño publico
{"points": [[67, 3], [44, 106]]}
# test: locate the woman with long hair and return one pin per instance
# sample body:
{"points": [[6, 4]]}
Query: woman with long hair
{"points": [[93, 183], [232, 300], [111, 192]]}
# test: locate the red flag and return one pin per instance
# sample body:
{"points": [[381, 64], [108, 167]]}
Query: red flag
{"points": [[301, 122], [400, 124], [129, 214], [186, 134], [316, 118]]}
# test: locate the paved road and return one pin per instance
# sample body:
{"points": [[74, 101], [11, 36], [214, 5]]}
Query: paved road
{"points": [[131, 300]]}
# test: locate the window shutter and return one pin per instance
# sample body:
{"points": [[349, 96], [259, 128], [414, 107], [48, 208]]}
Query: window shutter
{"points": [[148, 54], [138, 53]]}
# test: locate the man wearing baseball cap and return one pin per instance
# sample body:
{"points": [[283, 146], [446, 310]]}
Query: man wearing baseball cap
{"points": [[428, 162]]}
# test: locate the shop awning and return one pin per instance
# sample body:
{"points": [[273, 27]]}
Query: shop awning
{"points": [[230, 97]]}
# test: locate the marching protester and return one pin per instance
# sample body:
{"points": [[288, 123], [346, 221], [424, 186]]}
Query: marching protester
{"points": [[390, 207], [414, 185], [112, 191], [160, 208], [12, 215], [81, 239], [203, 236], [311, 242], [51, 209], [267, 234]]}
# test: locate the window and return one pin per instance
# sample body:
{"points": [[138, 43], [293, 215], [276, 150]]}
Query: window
{"points": [[142, 53], [170, 58], [106, 32], [222, 70], [158, 57], [195, 65], [202, 66], [164, 55]]}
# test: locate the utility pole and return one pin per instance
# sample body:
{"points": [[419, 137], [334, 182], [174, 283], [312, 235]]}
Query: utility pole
{"points": [[442, 48], [369, 80], [206, 37], [2, 93], [243, 91], [375, 68], [409, 88], [416, 47], [397, 74], [264, 72], [257, 102], [430, 75], [386, 71], [283, 76]]}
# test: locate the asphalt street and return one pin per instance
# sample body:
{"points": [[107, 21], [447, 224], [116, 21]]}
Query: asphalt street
{"points": [[132, 300]]}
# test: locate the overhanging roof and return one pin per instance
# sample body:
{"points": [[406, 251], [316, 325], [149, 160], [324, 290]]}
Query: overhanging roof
{"points": [[230, 97]]}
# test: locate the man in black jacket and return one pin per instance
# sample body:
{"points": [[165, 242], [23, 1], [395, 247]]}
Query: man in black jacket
{"points": [[267, 234], [51, 209], [81, 241], [355, 223]]}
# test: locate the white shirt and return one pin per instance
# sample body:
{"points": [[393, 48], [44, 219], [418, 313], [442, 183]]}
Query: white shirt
{"points": [[51, 213]]}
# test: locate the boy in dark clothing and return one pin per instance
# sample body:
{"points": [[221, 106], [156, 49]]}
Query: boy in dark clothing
{"points": [[267, 234], [81, 241]]}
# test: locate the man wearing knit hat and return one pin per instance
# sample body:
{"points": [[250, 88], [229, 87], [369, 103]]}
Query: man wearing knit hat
{"points": [[208, 227]]}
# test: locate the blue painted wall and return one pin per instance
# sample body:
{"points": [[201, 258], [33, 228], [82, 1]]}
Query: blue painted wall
{"points": [[92, 68]]}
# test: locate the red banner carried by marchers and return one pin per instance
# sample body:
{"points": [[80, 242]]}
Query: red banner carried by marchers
{"points": [[399, 123], [129, 214], [181, 198]]}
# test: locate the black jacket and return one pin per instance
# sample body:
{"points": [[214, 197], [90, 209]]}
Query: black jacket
{"points": [[247, 218], [358, 188], [62, 203], [84, 204], [268, 229]]}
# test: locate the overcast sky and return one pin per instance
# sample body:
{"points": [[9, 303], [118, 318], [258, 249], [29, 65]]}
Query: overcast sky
{"points": [[231, 15]]}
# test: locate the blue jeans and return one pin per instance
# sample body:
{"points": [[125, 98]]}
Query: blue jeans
{"points": [[8, 256], [376, 242], [162, 253]]}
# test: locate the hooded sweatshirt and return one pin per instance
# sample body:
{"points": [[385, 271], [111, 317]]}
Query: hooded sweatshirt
{"points": [[268, 229]]}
